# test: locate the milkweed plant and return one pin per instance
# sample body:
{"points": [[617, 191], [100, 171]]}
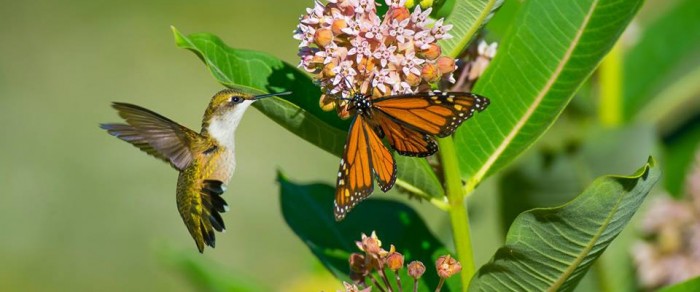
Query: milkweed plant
{"points": [[523, 189]]}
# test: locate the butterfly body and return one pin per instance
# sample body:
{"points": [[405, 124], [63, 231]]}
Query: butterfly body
{"points": [[409, 123], [205, 160]]}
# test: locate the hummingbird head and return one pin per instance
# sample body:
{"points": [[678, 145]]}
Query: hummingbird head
{"points": [[225, 112]]}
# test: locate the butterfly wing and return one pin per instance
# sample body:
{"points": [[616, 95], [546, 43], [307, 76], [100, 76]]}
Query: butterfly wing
{"points": [[154, 134], [434, 112], [404, 140], [364, 155]]}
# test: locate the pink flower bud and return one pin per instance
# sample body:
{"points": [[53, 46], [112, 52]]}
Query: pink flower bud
{"points": [[338, 26], [430, 73], [416, 269], [446, 65], [323, 37], [398, 13], [394, 261], [412, 79], [432, 52]]}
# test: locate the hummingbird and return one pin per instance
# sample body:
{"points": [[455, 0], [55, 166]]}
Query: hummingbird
{"points": [[205, 160]]}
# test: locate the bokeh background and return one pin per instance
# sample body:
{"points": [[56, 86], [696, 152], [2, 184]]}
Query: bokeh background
{"points": [[82, 211]]}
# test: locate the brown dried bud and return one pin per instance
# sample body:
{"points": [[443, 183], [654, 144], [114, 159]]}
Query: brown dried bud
{"points": [[358, 263], [447, 266], [323, 37], [394, 261], [416, 269], [430, 73], [338, 26], [326, 102], [398, 13], [431, 53], [446, 65]]}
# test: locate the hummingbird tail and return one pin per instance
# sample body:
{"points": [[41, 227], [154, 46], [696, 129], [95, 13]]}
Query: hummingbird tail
{"points": [[213, 205]]}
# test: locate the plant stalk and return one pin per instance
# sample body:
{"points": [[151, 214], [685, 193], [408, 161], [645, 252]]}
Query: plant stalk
{"points": [[610, 82], [459, 216]]}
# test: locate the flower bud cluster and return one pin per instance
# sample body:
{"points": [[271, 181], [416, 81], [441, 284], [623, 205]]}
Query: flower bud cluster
{"points": [[348, 48], [375, 259]]}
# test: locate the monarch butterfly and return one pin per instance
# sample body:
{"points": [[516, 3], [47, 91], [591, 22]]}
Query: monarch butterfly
{"points": [[409, 122]]}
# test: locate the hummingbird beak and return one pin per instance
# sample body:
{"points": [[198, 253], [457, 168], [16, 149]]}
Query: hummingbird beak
{"points": [[271, 94]]}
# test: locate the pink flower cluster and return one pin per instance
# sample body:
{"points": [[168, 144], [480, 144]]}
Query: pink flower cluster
{"points": [[349, 48]]}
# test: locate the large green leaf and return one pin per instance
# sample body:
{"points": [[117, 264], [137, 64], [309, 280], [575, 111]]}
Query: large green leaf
{"points": [[552, 48], [308, 212], [467, 16], [551, 177], [551, 249], [667, 46], [299, 112]]}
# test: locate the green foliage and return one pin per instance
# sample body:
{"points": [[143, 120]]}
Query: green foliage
{"points": [[547, 52], [306, 210], [553, 47], [666, 48], [552, 248]]}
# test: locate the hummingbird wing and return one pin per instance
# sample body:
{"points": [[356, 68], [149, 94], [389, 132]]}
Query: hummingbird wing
{"points": [[155, 134]]}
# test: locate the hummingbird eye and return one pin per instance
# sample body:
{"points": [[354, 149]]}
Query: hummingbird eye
{"points": [[236, 99]]}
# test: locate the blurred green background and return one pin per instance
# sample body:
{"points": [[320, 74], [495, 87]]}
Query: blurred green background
{"points": [[82, 211]]}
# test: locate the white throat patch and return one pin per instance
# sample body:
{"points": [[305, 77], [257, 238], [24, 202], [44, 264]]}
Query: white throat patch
{"points": [[222, 128]]}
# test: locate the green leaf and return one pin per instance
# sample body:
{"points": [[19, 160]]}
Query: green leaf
{"points": [[552, 248], [552, 48], [308, 210], [299, 113], [467, 16], [551, 177], [691, 285], [668, 45]]}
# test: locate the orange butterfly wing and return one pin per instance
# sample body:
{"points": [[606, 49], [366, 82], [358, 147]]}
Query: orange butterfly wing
{"points": [[434, 112], [363, 156], [406, 141]]}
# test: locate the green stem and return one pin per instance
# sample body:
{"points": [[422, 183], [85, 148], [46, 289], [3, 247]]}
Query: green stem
{"points": [[610, 104], [458, 209]]}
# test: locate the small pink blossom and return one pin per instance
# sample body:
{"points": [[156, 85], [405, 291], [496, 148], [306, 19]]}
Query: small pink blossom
{"points": [[399, 31], [420, 18], [385, 54], [440, 31], [423, 39]]}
